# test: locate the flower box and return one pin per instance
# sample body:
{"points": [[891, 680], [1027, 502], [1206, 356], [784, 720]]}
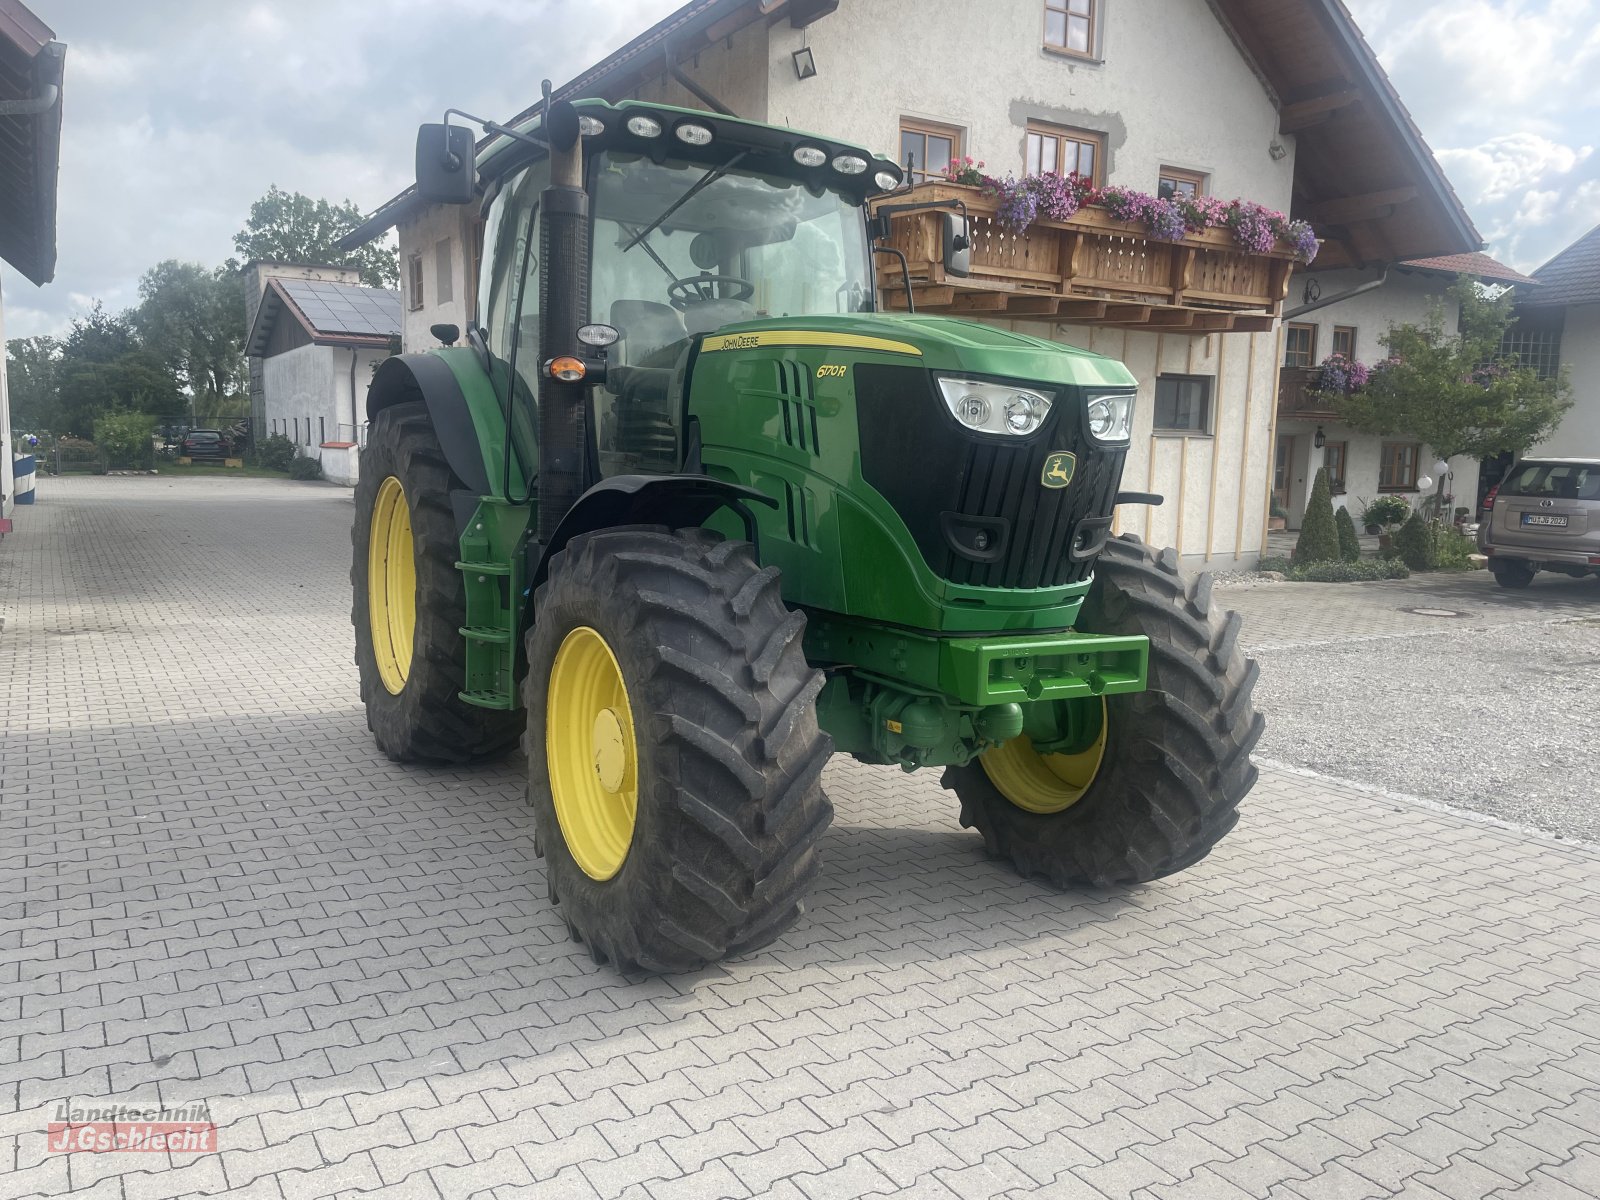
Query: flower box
{"points": [[1090, 256]]}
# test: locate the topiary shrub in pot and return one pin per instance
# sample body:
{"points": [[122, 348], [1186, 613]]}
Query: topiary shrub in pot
{"points": [[1415, 544]]}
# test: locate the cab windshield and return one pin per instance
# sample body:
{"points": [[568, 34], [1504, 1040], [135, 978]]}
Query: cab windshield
{"points": [[741, 246]]}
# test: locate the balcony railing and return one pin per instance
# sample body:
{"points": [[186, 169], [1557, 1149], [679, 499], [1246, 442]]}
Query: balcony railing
{"points": [[1090, 269], [1296, 397]]}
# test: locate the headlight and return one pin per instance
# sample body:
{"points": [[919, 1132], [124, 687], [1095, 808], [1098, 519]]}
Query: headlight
{"points": [[1110, 416], [887, 180], [810, 156], [849, 164], [645, 127], [591, 126], [692, 134], [995, 407]]}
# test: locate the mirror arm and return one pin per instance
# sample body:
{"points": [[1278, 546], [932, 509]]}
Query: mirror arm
{"points": [[905, 272]]}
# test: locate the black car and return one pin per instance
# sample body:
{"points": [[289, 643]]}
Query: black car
{"points": [[204, 443]]}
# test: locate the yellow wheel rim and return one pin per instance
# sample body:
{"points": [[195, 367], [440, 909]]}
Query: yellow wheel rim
{"points": [[392, 585], [1044, 783], [592, 753]]}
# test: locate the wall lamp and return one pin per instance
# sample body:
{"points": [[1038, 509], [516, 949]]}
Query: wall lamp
{"points": [[1320, 439], [805, 66]]}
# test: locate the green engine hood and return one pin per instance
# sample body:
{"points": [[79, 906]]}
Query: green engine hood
{"points": [[938, 343]]}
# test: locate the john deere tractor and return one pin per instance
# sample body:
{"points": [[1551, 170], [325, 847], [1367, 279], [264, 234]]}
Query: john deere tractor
{"points": [[688, 514]]}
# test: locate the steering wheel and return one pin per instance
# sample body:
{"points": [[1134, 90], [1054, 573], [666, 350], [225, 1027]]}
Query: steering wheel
{"points": [[698, 289]]}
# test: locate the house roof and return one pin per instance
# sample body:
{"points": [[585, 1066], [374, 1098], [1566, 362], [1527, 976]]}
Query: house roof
{"points": [[1571, 277], [31, 63], [1363, 174], [332, 314], [1477, 264]]}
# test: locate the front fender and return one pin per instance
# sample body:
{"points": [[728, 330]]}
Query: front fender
{"points": [[672, 500]]}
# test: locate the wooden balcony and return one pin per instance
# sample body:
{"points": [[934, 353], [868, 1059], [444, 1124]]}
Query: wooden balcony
{"points": [[1296, 399], [1090, 269]]}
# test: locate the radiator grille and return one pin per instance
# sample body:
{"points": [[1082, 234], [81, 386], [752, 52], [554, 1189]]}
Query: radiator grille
{"points": [[931, 470]]}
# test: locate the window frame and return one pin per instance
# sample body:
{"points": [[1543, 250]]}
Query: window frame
{"points": [[1387, 451], [1207, 427], [1065, 133], [1347, 330], [1199, 179], [925, 129], [1337, 486], [415, 296], [1092, 39], [1290, 327]]}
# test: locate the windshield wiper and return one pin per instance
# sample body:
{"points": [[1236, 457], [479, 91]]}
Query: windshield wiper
{"points": [[650, 250], [711, 176]]}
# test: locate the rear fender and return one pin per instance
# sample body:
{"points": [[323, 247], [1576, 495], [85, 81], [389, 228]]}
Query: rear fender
{"points": [[671, 500]]}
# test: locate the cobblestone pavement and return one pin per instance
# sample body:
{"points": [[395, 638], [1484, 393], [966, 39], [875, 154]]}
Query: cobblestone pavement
{"points": [[212, 887]]}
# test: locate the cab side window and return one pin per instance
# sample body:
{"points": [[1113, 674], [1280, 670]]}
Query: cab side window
{"points": [[510, 273]]}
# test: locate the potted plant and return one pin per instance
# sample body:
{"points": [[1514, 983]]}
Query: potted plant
{"points": [[1384, 514], [1278, 517]]}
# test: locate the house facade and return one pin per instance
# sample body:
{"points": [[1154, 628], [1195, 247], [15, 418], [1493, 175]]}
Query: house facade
{"points": [[31, 77], [317, 342], [1559, 320], [1281, 103], [1310, 436]]}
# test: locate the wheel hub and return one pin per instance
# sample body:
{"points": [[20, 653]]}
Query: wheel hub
{"points": [[1045, 783], [391, 585], [591, 752]]}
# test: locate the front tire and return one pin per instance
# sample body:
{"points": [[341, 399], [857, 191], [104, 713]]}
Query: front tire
{"points": [[409, 601], [674, 759], [1173, 763]]}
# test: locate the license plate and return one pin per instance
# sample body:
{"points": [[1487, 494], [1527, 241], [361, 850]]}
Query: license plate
{"points": [[1546, 520]]}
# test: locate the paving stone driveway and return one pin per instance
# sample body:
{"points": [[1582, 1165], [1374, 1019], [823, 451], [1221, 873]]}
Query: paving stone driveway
{"points": [[211, 887]]}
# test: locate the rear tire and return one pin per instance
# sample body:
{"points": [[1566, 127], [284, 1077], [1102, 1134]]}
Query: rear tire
{"points": [[1177, 756], [725, 761], [1511, 572], [426, 721]]}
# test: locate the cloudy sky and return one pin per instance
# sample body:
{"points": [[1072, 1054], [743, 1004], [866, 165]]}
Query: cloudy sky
{"points": [[179, 113]]}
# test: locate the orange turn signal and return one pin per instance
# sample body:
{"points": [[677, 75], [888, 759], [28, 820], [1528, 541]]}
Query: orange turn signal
{"points": [[567, 369]]}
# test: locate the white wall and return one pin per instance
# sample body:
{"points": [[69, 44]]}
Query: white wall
{"points": [[7, 475], [1363, 455], [312, 384], [1172, 89], [421, 235], [1578, 435], [1404, 299]]}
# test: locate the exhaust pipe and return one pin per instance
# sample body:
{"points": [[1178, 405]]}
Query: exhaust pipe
{"points": [[563, 307]]}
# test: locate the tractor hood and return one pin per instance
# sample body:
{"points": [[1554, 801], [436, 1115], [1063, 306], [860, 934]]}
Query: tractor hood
{"points": [[939, 343]]}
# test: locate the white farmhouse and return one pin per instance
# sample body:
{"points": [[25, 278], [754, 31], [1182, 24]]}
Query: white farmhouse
{"points": [[31, 63], [318, 342], [1280, 102], [1559, 323]]}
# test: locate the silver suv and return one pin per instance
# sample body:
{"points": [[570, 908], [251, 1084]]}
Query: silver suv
{"points": [[1545, 517]]}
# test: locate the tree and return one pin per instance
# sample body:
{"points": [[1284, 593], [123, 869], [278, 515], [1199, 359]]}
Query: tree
{"points": [[1454, 391], [1319, 540], [1349, 544], [103, 368], [292, 228], [192, 319], [32, 370]]}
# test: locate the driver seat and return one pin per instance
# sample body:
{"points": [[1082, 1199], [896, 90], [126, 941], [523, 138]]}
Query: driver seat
{"points": [[646, 327], [706, 316]]}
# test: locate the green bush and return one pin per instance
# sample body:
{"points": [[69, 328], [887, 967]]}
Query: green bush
{"points": [[1319, 540], [1349, 544], [1348, 572], [275, 452], [1455, 550], [126, 439], [1385, 511], [1415, 544], [1276, 563], [301, 467]]}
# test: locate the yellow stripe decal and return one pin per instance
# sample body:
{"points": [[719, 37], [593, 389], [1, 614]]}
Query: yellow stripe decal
{"points": [[786, 337]]}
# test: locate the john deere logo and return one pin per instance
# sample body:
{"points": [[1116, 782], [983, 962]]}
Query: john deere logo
{"points": [[1058, 469]]}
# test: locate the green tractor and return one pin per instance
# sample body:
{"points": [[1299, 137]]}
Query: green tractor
{"points": [[688, 516]]}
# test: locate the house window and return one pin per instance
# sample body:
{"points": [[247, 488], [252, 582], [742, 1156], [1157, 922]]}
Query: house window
{"points": [[1183, 404], [931, 147], [414, 281], [1054, 150], [1344, 340], [1333, 458], [1299, 345], [1539, 349], [445, 284], [1397, 466], [1069, 26], [1175, 181]]}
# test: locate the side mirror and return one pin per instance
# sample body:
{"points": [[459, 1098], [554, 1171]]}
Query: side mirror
{"points": [[445, 170], [957, 246], [445, 332]]}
